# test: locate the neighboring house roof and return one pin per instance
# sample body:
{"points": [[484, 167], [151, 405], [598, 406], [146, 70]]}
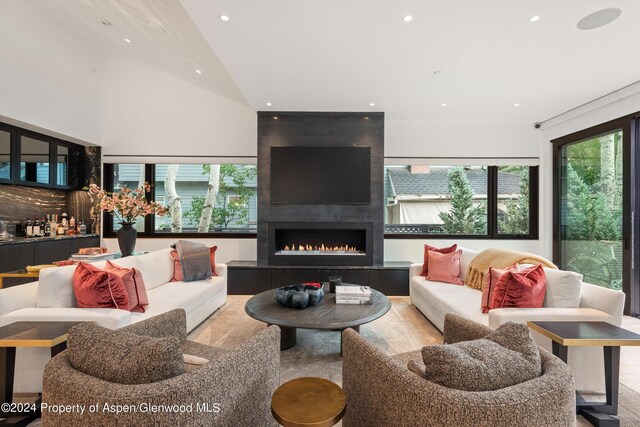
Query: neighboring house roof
{"points": [[435, 183]]}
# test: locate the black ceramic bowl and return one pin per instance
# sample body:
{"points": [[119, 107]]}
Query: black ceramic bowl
{"points": [[298, 296]]}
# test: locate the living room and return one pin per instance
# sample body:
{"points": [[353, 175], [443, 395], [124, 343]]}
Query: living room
{"points": [[183, 94]]}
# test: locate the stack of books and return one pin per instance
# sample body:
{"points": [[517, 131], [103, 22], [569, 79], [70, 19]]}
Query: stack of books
{"points": [[353, 295], [92, 257]]}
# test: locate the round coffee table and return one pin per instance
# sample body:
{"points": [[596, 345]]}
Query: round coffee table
{"points": [[326, 315]]}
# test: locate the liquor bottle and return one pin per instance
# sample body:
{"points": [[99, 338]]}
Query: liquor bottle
{"points": [[54, 224], [72, 226], [35, 228], [82, 227], [65, 222], [28, 228], [47, 226], [43, 225]]}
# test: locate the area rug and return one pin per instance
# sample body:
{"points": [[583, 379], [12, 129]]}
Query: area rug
{"points": [[317, 352]]}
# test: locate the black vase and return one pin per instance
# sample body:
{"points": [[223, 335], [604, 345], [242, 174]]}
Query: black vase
{"points": [[127, 238]]}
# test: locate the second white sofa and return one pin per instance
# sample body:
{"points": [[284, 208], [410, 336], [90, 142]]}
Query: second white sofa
{"points": [[436, 299], [51, 298]]}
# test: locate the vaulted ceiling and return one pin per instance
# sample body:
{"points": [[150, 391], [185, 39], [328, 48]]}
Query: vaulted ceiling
{"points": [[480, 58]]}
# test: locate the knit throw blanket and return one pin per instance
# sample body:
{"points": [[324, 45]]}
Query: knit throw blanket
{"points": [[195, 261], [499, 258]]}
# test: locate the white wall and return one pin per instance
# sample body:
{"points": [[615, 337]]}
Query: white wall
{"points": [[147, 111], [48, 78]]}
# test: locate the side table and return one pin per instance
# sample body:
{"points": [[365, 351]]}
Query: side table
{"points": [[308, 402], [571, 333], [19, 274], [26, 334]]}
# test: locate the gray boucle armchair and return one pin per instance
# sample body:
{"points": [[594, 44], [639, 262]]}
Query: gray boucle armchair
{"points": [[241, 381], [381, 391]]}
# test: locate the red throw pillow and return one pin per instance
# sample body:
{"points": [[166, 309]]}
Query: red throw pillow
{"points": [[177, 265], [523, 289], [134, 284], [489, 286], [445, 267], [427, 248], [96, 288]]}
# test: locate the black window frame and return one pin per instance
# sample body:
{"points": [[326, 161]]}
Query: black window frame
{"points": [[492, 213], [630, 126], [149, 220]]}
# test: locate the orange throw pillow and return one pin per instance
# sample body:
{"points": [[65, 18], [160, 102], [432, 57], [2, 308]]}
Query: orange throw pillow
{"points": [[134, 284], [177, 265], [96, 288], [524, 289], [445, 267], [427, 248]]}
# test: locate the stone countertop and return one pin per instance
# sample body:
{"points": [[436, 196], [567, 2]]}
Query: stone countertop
{"points": [[19, 240]]}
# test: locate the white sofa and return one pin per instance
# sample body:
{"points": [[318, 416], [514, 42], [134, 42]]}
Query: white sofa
{"points": [[435, 299], [52, 299]]}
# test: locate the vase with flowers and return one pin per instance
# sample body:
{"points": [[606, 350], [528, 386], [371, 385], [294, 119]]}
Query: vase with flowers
{"points": [[126, 205]]}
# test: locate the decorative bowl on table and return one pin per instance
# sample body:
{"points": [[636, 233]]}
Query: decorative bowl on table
{"points": [[299, 296]]}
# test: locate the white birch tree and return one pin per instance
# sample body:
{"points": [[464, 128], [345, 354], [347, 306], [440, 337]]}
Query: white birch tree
{"points": [[173, 200], [608, 170], [212, 192]]}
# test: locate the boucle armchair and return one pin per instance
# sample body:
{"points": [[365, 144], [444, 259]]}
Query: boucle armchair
{"points": [[236, 384], [381, 391]]}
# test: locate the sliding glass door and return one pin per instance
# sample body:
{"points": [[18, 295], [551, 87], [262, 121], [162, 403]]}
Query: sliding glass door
{"points": [[595, 206], [591, 187]]}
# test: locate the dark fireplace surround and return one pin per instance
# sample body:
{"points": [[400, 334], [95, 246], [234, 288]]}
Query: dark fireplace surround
{"points": [[353, 231]]}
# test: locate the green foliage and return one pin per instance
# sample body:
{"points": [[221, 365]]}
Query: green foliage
{"points": [[516, 219], [224, 211], [464, 217], [587, 215]]}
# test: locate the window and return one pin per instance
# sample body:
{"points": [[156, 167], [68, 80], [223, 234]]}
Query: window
{"points": [[34, 160], [595, 206], [471, 201], [5, 155], [202, 198]]}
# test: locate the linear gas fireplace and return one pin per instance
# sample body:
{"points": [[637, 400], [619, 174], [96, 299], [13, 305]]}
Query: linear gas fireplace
{"points": [[320, 243]]}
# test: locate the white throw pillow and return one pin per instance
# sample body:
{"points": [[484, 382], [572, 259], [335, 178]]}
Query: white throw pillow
{"points": [[563, 287]]}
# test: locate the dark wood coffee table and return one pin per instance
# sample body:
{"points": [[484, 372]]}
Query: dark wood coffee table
{"points": [[326, 315], [26, 334], [571, 333]]}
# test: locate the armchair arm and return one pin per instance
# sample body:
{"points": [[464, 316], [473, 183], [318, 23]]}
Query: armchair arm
{"points": [[17, 297], [458, 329], [171, 323], [607, 300], [221, 269], [415, 270]]}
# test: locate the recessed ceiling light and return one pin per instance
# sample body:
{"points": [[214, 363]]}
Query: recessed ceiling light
{"points": [[198, 71], [516, 105], [105, 22], [599, 18], [371, 104], [436, 73], [408, 18], [534, 18], [268, 104], [127, 40], [224, 18], [443, 104]]}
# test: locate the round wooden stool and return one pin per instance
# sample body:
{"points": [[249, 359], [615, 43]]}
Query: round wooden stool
{"points": [[308, 401]]}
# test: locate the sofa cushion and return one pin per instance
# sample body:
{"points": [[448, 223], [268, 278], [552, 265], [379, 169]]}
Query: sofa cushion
{"points": [[134, 284], [522, 288], [188, 296], [96, 288], [506, 357], [122, 357], [445, 267], [156, 267], [429, 248], [55, 288]]}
